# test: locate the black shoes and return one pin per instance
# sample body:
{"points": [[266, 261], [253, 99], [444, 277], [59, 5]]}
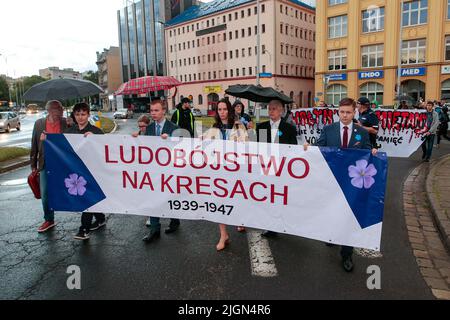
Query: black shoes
{"points": [[172, 228], [269, 234], [82, 235], [347, 264], [97, 225], [153, 235]]}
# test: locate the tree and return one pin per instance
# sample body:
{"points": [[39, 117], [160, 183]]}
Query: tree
{"points": [[28, 82], [4, 89], [92, 76]]}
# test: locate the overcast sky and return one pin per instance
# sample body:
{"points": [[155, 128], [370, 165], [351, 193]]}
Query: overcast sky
{"points": [[36, 34]]}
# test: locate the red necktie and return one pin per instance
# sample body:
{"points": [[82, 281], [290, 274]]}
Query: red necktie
{"points": [[345, 138]]}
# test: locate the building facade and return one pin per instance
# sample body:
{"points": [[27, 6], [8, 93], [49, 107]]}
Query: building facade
{"points": [[141, 36], [57, 73], [359, 49], [214, 45], [109, 77]]}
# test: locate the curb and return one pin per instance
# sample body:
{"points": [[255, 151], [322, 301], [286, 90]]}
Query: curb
{"points": [[15, 166], [442, 222]]}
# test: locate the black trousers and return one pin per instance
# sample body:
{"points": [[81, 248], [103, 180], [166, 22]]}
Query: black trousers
{"points": [[346, 252], [86, 220]]}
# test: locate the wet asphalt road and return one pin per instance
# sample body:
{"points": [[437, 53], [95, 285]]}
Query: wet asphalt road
{"points": [[116, 264]]}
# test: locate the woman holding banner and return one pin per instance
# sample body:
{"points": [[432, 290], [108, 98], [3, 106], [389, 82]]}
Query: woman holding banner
{"points": [[226, 127]]}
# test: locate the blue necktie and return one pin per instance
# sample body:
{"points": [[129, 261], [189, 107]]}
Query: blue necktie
{"points": [[158, 130]]}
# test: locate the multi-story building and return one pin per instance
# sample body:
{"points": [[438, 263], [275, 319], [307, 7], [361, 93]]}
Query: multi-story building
{"points": [[57, 73], [109, 76], [359, 49], [214, 45], [141, 36]]}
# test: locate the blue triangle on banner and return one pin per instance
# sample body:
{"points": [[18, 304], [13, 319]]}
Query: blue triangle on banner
{"points": [[70, 184], [362, 178]]}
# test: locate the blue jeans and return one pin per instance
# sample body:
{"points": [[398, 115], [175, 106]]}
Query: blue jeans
{"points": [[49, 215], [427, 146]]}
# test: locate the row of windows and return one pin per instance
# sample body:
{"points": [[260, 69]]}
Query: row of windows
{"points": [[288, 70], [206, 41], [371, 90], [297, 32], [306, 53], [298, 15], [214, 75], [413, 52], [213, 57], [298, 71], [216, 21], [413, 13]]}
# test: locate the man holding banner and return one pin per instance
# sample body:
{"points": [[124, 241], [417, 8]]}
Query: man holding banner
{"points": [[345, 135]]}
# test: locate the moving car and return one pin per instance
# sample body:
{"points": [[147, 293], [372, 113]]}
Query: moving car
{"points": [[8, 121], [123, 114], [197, 113]]}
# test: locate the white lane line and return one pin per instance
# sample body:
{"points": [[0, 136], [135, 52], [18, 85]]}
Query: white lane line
{"points": [[261, 259]]}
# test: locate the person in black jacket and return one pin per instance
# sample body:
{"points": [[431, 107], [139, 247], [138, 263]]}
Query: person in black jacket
{"points": [[183, 116], [276, 130]]}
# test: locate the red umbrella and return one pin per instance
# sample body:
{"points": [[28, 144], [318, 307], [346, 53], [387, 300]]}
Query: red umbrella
{"points": [[147, 84]]}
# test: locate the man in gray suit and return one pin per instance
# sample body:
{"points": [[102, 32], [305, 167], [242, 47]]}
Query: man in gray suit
{"points": [[346, 135], [161, 127], [54, 123]]}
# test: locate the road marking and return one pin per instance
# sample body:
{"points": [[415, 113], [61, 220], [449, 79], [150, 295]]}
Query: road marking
{"points": [[17, 182], [261, 259]]}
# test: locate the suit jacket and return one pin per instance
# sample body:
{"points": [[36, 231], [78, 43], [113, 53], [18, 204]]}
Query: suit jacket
{"points": [[37, 146], [169, 128], [287, 133], [331, 137]]}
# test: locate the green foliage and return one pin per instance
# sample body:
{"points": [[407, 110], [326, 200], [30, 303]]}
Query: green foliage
{"points": [[4, 94]]}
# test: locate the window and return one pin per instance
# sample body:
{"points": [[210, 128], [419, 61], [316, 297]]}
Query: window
{"points": [[249, 12], [281, 28], [249, 31], [373, 20], [415, 12], [225, 73], [337, 59], [242, 33], [200, 98], [448, 9], [237, 53], [237, 72], [372, 91], [413, 51], [372, 56], [230, 35], [242, 14], [235, 15], [263, 8], [236, 34], [224, 36], [282, 48], [447, 48], [243, 72], [250, 71], [337, 27], [336, 93], [263, 28], [230, 17], [334, 2], [243, 53], [249, 51]]}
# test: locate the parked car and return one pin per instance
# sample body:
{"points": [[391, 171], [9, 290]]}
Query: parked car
{"points": [[197, 113], [123, 114], [8, 121]]}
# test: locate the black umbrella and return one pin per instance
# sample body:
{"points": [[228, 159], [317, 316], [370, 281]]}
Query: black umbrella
{"points": [[62, 89], [257, 93]]}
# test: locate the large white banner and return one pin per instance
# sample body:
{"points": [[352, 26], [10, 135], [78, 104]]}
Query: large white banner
{"points": [[400, 133], [325, 193]]}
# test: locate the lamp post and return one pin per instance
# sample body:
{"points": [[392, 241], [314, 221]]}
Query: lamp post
{"points": [[399, 71]]}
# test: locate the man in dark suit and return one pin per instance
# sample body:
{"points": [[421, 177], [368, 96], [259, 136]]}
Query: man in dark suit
{"points": [[345, 134], [276, 130], [161, 127]]}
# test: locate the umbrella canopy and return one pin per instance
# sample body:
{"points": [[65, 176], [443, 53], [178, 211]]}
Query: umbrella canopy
{"points": [[62, 89], [147, 84], [257, 93]]}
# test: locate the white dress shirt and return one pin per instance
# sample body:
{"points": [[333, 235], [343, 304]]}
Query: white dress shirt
{"points": [[350, 132], [274, 130], [161, 124]]}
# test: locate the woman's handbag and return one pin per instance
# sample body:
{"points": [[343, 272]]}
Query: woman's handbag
{"points": [[33, 182]]}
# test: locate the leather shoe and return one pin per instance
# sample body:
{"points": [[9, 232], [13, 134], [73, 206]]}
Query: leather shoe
{"points": [[269, 234], [171, 229], [153, 235], [347, 264]]}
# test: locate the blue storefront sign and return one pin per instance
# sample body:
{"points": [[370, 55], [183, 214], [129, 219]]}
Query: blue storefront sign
{"points": [[375, 74], [265, 75], [409, 72], [337, 77]]}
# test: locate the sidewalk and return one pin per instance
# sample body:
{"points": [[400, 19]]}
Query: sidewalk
{"points": [[425, 194], [9, 165], [438, 192]]}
